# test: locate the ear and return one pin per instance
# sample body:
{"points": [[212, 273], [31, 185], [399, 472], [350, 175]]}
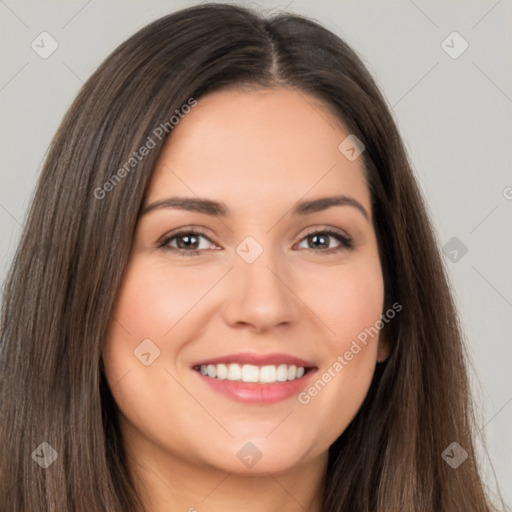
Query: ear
{"points": [[384, 347]]}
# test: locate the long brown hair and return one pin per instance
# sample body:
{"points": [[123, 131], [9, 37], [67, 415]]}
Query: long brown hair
{"points": [[69, 265]]}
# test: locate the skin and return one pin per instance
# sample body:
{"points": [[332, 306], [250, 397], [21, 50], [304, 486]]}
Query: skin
{"points": [[258, 151]]}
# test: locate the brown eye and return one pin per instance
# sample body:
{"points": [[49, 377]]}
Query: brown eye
{"points": [[186, 243], [323, 240], [189, 241]]}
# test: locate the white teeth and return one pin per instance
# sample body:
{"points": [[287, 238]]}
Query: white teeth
{"points": [[268, 374], [251, 373], [282, 373], [234, 372], [212, 370], [222, 371]]}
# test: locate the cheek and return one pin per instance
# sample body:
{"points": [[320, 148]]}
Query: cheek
{"points": [[155, 298], [149, 304], [155, 302], [141, 312], [347, 299], [349, 302]]}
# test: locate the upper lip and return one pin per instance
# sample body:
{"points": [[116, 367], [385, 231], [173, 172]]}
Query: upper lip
{"points": [[256, 359]]}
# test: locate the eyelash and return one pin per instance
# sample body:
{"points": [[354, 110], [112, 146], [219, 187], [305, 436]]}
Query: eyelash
{"points": [[346, 243]]}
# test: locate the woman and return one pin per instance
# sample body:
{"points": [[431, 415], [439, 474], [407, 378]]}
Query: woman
{"points": [[228, 293]]}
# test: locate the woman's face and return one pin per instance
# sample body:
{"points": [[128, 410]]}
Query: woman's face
{"points": [[237, 279]]}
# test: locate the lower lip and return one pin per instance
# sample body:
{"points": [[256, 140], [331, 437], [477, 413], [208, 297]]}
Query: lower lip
{"points": [[253, 393]]}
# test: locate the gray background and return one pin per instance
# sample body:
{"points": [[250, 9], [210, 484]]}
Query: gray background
{"points": [[454, 115]]}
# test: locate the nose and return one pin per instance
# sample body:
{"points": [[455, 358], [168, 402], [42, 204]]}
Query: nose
{"points": [[260, 295]]}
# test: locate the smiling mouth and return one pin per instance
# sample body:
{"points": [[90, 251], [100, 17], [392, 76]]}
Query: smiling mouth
{"points": [[250, 373]]}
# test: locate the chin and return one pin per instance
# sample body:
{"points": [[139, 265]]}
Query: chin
{"points": [[259, 455]]}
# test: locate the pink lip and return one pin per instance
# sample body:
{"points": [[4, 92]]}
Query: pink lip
{"points": [[255, 393], [257, 360]]}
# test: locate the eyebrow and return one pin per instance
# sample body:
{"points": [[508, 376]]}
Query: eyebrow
{"points": [[219, 209]]}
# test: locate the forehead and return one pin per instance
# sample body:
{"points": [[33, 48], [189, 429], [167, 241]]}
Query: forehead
{"points": [[265, 144]]}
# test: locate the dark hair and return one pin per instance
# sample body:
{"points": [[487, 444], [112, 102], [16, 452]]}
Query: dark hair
{"points": [[70, 261]]}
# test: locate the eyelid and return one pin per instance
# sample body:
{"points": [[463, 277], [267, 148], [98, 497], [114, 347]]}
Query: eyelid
{"points": [[326, 229]]}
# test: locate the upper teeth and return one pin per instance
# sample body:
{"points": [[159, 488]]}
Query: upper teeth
{"points": [[251, 373]]}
